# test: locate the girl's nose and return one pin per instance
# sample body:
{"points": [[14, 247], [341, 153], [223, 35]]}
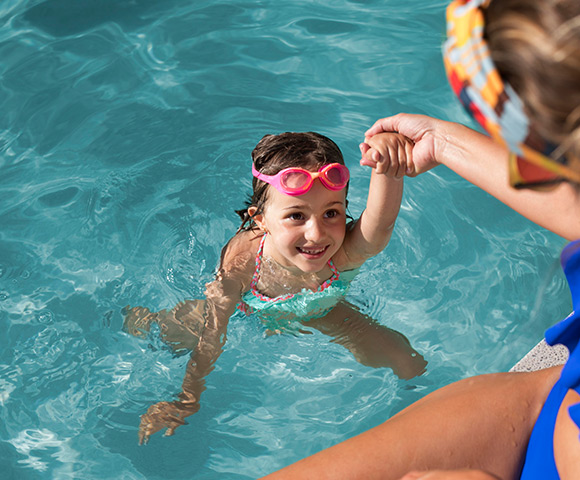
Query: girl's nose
{"points": [[315, 230]]}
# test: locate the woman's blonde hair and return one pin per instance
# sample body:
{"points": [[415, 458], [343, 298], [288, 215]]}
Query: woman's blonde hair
{"points": [[535, 45]]}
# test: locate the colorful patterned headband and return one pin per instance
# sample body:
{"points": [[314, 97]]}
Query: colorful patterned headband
{"points": [[493, 103]]}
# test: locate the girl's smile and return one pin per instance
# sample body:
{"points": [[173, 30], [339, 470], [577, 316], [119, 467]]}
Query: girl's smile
{"points": [[312, 253]]}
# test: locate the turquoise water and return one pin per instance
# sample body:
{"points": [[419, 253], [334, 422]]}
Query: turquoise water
{"points": [[125, 134]]}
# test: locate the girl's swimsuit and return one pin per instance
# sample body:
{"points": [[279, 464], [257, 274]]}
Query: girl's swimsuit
{"points": [[540, 463], [304, 304]]}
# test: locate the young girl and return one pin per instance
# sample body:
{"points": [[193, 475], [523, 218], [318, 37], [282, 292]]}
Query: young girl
{"points": [[291, 262]]}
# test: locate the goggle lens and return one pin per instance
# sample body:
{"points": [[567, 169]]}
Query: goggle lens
{"points": [[295, 180], [336, 176]]}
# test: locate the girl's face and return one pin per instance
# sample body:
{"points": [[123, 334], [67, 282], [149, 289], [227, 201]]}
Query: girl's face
{"points": [[305, 231]]}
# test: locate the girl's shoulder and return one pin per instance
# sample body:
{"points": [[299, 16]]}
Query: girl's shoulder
{"points": [[239, 255]]}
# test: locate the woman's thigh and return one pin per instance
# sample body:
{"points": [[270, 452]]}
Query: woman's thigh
{"points": [[482, 422]]}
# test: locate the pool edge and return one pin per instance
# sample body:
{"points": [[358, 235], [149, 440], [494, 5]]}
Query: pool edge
{"points": [[541, 356]]}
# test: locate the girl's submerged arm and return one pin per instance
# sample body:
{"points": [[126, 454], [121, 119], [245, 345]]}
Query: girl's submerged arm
{"points": [[222, 297], [216, 313]]}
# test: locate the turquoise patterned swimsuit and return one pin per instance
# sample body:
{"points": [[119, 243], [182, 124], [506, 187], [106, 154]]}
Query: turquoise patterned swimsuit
{"points": [[302, 305]]}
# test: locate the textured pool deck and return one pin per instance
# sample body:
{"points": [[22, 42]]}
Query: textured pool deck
{"points": [[541, 356]]}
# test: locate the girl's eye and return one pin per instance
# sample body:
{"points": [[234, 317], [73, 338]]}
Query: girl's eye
{"points": [[296, 216], [332, 213]]}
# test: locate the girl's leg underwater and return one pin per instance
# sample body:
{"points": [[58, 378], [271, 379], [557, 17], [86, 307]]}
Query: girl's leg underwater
{"points": [[371, 343]]}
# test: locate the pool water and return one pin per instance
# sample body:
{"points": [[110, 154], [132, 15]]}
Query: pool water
{"points": [[125, 140]]}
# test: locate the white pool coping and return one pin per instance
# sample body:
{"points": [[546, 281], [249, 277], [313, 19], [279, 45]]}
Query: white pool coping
{"points": [[542, 356]]}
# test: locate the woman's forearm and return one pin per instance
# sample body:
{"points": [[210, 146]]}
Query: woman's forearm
{"points": [[484, 163]]}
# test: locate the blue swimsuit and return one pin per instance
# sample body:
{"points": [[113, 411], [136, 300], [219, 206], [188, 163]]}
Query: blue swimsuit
{"points": [[540, 463]]}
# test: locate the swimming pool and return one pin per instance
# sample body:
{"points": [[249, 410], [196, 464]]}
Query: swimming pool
{"points": [[125, 136]]}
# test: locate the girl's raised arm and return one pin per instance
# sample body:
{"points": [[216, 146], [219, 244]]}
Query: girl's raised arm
{"points": [[388, 155]]}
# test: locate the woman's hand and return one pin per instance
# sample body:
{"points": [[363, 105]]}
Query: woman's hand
{"points": [[388, 153], [427, 134]]}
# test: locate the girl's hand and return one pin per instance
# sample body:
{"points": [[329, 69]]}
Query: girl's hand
{"points": [[138, 320], [168, 415], [428, 135], [450, 475], [388, 153]]}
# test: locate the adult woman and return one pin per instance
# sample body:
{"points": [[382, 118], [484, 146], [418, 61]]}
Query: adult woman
{"points": [[480, 428]]}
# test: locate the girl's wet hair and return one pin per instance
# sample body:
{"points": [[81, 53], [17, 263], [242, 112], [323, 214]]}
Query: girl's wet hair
{"points": [[274, 153]]}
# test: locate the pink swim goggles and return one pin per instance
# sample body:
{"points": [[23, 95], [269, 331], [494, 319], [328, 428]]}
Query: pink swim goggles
{"points": [[297, 181]]}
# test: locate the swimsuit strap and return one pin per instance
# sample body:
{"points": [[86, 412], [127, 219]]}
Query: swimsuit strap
{"points": [[256, 277]]}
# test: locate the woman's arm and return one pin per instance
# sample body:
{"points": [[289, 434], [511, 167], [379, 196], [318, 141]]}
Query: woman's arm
{"points": [[483, 162]]}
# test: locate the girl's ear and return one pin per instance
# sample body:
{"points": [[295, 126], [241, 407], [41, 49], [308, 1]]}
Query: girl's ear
{"points": [[257, 217]]}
